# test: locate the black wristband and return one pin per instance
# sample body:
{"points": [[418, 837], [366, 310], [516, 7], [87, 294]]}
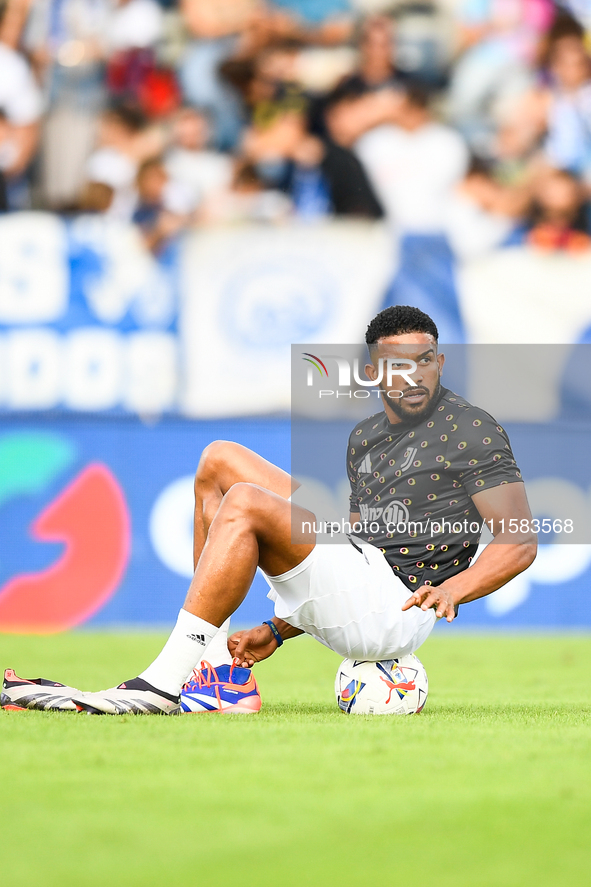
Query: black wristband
{"points": [[275, 632]]}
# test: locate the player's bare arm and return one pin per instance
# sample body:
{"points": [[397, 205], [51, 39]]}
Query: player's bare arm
{"points": [[256, 644], [504, 508]]}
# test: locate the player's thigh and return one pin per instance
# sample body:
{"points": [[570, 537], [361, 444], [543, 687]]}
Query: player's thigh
{"points": [[284, 531], [230, 463]]}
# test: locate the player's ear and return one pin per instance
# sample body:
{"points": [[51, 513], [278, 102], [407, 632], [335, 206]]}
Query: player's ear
{"points": [[371, 372], [440, 361]]}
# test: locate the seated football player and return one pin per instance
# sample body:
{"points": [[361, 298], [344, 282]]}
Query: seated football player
{"points": [[371, 597]]}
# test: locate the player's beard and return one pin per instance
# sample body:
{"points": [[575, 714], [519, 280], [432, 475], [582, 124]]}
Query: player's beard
{"points": [[408, 414]]}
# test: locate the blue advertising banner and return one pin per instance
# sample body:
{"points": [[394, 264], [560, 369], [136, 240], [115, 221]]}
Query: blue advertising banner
{"points": [[96, 518], [88, 317], [90, 321]]}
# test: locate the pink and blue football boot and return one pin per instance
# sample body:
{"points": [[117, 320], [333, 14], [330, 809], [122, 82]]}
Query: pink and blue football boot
{"points": [[226, 689]]}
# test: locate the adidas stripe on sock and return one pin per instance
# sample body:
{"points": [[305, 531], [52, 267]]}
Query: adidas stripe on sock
{"points": [[182, 652]]}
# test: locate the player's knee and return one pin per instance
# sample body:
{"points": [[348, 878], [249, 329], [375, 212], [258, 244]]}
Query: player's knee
{"points": [[214, 459], [242, 500]]}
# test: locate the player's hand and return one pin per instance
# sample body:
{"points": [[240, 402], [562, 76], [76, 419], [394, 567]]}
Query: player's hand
{"points": [[439, 599], [253, 645]]}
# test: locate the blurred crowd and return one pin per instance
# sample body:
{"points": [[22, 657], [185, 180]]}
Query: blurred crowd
{"points": [[467, 120]]}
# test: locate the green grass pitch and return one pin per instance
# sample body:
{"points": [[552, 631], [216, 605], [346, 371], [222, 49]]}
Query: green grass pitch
{"points": [[489, 786]]}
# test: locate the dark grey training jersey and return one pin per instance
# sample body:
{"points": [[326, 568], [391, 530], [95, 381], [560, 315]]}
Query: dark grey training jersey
{"points": [[411, 483]]}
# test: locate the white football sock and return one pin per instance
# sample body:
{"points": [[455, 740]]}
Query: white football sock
{"points": [[217, 652], [184, 649]]}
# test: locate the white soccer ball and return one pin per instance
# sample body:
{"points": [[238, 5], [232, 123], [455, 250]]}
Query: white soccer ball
{"points": [[390, 687]]}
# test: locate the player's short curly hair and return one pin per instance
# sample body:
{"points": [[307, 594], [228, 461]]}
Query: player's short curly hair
{"points": [[398, 320]]}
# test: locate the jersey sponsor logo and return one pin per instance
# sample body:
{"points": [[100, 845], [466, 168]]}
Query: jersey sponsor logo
{"points": [[409, 455], [394, 513], [365, 467]]}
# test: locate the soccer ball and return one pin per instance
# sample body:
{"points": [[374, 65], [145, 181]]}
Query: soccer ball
{"points": [[390, 687]]}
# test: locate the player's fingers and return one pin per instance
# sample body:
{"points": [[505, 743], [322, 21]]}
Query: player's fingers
{"points": [[442, 608], [423, 592], [233, 650], [240, 648], [430, 599], [413, 601]]}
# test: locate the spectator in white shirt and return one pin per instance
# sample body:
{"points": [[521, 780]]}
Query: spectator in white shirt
{"points": [[65, 40], [125, 142], [20, 108], [190, 162], [134, 24], [414, 164], [485, 213]]}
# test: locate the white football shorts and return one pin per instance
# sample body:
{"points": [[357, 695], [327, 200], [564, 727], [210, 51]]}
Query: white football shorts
{"points": [[347, 596]]}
